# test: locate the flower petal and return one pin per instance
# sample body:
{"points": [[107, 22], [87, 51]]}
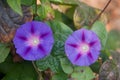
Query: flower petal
{"points": [[78, 57], [32, 29], [75, 47]]}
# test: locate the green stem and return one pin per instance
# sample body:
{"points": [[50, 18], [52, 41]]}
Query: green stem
{"points": [[38, 72]]}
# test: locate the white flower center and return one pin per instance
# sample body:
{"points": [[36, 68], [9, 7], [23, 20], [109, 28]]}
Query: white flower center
{"points": [[84, 48], [33, 41]]}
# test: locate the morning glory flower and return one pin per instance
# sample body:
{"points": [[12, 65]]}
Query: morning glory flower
{"points": [[82, 47], [33, 40]]}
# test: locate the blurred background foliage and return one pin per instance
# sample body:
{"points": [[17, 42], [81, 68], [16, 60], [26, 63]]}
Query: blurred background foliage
{"points": [[64, 17]]}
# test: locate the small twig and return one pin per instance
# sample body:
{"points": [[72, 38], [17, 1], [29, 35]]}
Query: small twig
{"points": [[98, 16], [38, 72]]}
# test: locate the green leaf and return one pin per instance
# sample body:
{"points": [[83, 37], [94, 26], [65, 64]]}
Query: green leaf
{"points": [[66, 66], [44, 1], [27, 2], [105, 55], [70, 12], [82, 73], [4, 51], [15, 5], [70, 2], [49, 62], [59, 16], [17, 71], [43, 64], [95, 67], [45, 11], [60, 76], [99, 28], [113, 41], [60, 32]]}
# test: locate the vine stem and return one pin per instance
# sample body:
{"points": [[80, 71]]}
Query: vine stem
{"points": [[98, 16], [38, 72]]}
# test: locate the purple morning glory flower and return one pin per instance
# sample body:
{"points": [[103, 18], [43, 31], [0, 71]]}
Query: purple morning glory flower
{"points": [[83, 47], [33, 40]]}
